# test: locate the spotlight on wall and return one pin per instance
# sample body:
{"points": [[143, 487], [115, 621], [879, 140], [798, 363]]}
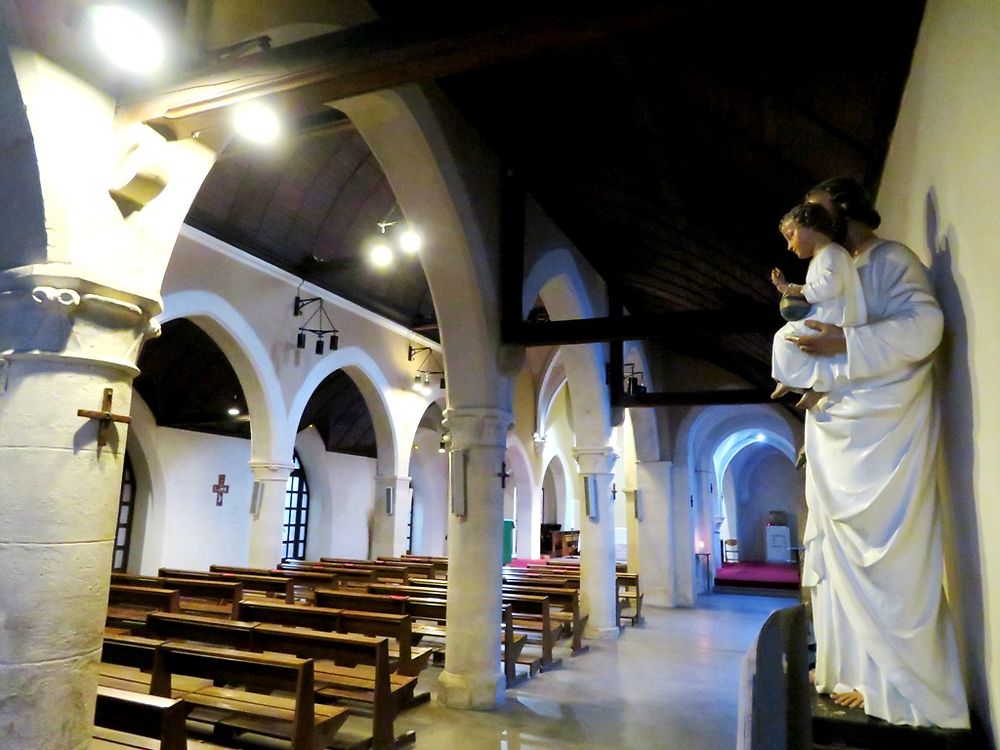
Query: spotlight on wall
{"points": [[429, 365], [322, 327]]}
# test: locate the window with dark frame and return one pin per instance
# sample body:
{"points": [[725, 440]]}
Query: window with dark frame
{"points": [[296, 513], [126, 508]]}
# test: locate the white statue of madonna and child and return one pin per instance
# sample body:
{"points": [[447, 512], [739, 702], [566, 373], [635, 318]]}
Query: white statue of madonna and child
{"points": [[873, 538]]}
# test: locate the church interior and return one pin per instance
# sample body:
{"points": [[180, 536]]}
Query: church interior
{"points": [[474, 315]]}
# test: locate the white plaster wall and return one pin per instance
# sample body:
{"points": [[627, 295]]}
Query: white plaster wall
{"points": [[342, 526], [196, 533], [560, 441], [939, 193], [429, 470]]}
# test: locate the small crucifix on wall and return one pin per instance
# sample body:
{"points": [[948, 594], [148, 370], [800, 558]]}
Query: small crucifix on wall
{"points": [[104, 417], [220, 489], [504, 474]]}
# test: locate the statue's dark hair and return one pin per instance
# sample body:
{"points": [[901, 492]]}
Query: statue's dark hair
{"points": [[817, 217], [851, 199]]}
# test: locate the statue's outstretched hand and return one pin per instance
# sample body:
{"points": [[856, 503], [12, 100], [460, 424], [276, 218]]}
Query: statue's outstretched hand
{"points": [[828, 341], [778, 279]]}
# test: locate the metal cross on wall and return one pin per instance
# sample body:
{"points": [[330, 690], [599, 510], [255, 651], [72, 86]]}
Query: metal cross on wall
{"points": [[220, 489], [104, 417], [504, 474]]}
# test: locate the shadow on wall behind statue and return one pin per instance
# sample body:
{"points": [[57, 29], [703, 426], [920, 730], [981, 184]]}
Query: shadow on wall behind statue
{"points": [[957, 456]]}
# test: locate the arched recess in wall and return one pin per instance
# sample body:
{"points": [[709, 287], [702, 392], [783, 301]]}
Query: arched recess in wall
{"points": [[733, 457], [526, 501], [557, 493], [759, 480], [146, 547], [701, 433], [429, 477], [269, 438], [345, 438], [371, 384]]}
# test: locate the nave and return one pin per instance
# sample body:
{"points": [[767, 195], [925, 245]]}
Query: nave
{"points": [[672, 683]]}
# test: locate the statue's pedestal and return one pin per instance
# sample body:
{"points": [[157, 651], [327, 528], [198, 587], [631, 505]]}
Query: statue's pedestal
{"points": [[842, 728]]}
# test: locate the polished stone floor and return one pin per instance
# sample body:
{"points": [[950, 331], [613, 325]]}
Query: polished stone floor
{"points": [[671, 683]]}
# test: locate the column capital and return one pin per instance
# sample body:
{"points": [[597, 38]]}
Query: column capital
{"points": [[477, 428], [271, 471], [666, 463], [50, 313], [598, 460], [388, 479]]}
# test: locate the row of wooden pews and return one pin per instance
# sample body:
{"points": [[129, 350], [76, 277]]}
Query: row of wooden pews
{"points": [[357, 668]]}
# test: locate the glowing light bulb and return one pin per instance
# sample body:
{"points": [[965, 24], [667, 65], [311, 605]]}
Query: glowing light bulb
{"points": [[760, 437], [233, 411], [256, 122], [380, 255], [410, 241], [126, 39]]}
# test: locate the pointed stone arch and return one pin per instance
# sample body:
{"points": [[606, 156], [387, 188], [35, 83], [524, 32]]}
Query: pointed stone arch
{"points": [[374, 387], [269, 438]]}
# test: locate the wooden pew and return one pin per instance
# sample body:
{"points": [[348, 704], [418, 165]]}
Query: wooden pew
{"points": [[146, 715], [531, 615], [348, 667], [129, 605], [380, 570], [280, 586], [432, 611], [409, 660], [234, 711], [127, 664], [198, 595], [305, 580]]}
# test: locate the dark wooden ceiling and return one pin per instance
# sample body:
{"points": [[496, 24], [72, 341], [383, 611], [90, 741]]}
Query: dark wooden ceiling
{"points": [[666, 146], [665, 139]]}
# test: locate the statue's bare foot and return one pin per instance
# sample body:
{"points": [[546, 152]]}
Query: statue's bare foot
{"points": [[809, 399], [780, 390], [850, 699]]}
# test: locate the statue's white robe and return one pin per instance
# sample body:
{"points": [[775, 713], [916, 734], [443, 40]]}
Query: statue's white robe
{"points": [[873, 535]]}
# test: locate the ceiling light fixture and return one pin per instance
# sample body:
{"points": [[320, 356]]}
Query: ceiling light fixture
{"points": [[126, 39], [256, 122], [393, 232]]}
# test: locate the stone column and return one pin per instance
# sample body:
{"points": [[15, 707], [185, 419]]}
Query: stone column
{"points": [[655, 530], [267, 506], [63, 341], [391, 518], [472, 676], [598, 590]]}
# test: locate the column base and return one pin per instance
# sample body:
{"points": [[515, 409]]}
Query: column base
{"points": [[602, 634], [657, 596], [471, 692]]}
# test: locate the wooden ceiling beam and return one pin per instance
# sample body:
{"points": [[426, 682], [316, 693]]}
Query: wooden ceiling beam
{"points": [[676, 326], [385, 54]]}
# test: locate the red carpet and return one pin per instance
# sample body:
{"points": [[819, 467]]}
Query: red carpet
{"points": [[758, 575], [524, 562]]}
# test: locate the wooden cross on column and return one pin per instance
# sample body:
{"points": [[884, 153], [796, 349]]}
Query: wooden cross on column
{"points": [[220, 489], [104, 417], [504, 474]]}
